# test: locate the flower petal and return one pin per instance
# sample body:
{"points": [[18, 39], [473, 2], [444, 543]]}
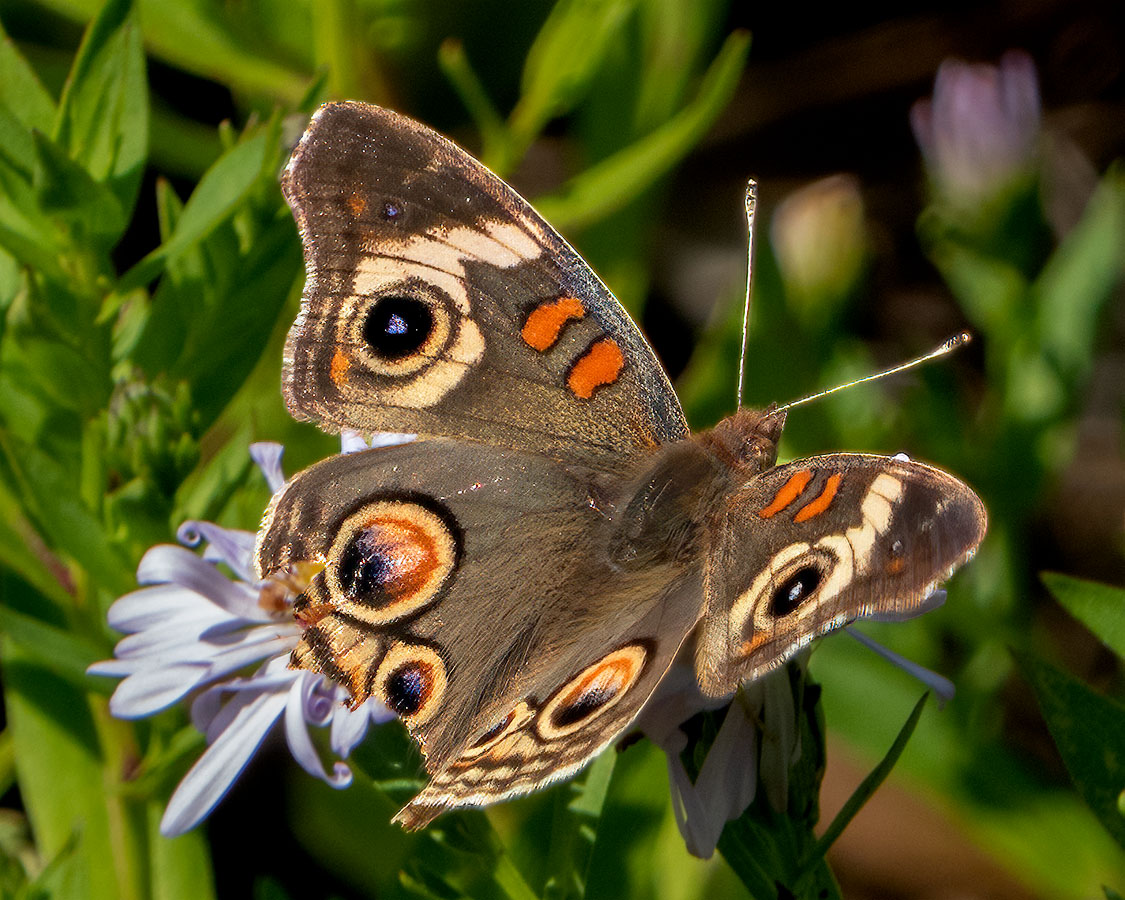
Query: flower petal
{"points": [[225, 545], [168, 563], [267, 454], [349, 726], [148, 691], [221, 764], [302, 696], [942, 687]]}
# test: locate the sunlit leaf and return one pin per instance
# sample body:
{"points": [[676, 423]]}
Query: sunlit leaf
{"points": [[1100, 607]]}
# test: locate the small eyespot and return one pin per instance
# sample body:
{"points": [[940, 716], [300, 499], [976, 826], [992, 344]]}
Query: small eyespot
{"points": [[410, 681], [397, 327], [391, 210], [794, 591]]}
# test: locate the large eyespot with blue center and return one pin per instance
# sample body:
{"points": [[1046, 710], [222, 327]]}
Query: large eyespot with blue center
{"points": [[391, 559], [403, 328], [411, 681], [592, 692]]}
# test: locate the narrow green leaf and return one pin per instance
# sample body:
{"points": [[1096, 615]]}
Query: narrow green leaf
{"points": [[1100, 607], [50, 493], [66, 192], [25, 232], [214, 199], [61, 652], [615, 181], [103, 112], [20, 89], [60, 771], [454, 62], [1080, 276], [578, 811], [561, 63], [181, 866], [1089, 731], [871, 783]]}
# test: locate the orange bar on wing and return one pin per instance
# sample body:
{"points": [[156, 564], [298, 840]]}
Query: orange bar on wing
{"points": [[600, 365], [338, 370], [822, 502], [789, 492], [546, 321]]}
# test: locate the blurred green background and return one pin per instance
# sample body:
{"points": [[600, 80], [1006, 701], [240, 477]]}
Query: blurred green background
{"points": [[140, 351]]}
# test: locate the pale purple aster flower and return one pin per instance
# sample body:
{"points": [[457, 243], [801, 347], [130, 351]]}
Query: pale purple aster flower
{"points": [[192, 630], [744, 753], [980, 131]]}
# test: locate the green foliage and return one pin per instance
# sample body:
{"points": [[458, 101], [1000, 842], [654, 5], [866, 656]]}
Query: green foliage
{"points": [[148, 270]]}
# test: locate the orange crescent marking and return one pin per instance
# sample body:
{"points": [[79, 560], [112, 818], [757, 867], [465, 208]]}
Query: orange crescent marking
{"points": [[789, 492], [356, 203], [338, 370], [601, 365], [756, 641], [822, 502], [546, 321]]}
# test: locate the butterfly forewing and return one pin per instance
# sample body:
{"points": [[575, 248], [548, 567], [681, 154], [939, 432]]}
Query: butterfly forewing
{"points": [[439, 302]]}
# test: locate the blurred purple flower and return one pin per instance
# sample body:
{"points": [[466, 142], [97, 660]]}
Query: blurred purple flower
{"points": [[192, 629], [979, 133]]}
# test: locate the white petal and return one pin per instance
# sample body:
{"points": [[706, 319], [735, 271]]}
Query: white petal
{"points": [[153, 606], [168, 563], [349, 726], [151, 690], [212, 776], [226, 545], [297, 733], [941, 686], [267, 454]]}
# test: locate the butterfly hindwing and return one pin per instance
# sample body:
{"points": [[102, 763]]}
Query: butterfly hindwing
{"points": [[439, 302], [809, 546], [483, 608]]}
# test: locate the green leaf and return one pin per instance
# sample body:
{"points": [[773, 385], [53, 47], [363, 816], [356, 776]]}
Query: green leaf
{"points": [[615, 181], [103, 112], [1080, 276], [560, 65], [50, 494], [871, 783], [218, 194], [181, 866], [56, 650], [61, 780], [578, 812], [25, 231], [66, 192], [1089, 731], [1100, 607], [21, 92]]}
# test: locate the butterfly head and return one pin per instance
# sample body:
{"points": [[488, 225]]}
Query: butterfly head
{"points": [[747, 440]]}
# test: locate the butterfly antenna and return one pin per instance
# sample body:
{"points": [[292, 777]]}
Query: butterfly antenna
{"points": [[751, 207], [958, 340]]}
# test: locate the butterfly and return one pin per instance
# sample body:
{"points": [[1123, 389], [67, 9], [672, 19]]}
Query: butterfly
{"points": [[516, 582]]}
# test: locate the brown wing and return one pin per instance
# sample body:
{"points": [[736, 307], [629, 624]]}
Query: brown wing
{"points": [[439, 302], [810, 546], [470, 588]]}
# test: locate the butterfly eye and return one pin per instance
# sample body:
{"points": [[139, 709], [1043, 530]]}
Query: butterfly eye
{"points": [[397, 327], [795, 590]]}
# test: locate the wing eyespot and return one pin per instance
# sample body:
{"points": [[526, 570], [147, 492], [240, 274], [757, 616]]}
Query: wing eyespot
{"points": [[798, 588], [397, 327], [411, 680], [390, 559], [592, 692]]}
